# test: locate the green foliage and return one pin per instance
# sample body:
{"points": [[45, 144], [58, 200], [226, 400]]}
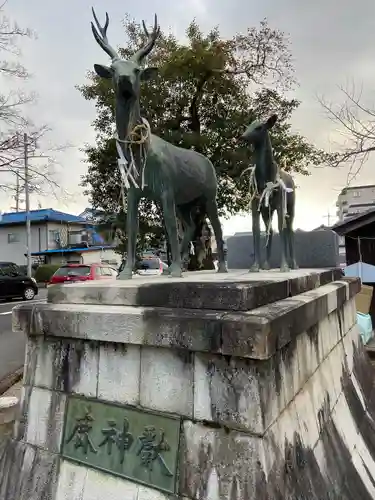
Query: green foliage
{"points": [[45, 271], [208, 90]]}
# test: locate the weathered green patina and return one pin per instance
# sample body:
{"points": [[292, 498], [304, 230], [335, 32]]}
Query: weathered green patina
{"points": [[180, 180], [122, 441]]}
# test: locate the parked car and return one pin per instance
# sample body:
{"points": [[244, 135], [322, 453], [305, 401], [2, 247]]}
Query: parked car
{"points": [[72, 273], [151, 266], [15, 284]]}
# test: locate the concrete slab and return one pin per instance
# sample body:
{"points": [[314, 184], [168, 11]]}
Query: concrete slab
{"points": [[235, 291]]}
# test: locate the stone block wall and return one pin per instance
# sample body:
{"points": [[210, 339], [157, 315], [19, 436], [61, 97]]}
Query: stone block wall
{"points": [[314, 249], [275, 407]]}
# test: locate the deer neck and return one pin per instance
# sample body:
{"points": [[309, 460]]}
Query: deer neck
{"points": [[128, 115], [265, 166]]}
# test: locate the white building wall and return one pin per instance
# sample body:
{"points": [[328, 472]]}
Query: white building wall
{"points": [[101, 255], [354, 200], [86, 257], [13, 242]]}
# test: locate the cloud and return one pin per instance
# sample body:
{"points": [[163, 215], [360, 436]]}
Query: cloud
{"points": [[330, 41]]}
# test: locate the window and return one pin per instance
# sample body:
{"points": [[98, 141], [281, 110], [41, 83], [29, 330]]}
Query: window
{"points": [[9, 269], [146, 264], [73, 271], [53, 236], [13, 238], [106, 271], [356, 194]]}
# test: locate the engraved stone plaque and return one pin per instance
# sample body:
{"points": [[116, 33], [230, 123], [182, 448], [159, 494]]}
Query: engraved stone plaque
{"points": [[134, 444]]}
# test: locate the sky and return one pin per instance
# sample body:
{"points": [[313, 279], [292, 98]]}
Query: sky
{"points": [[332, 43]]}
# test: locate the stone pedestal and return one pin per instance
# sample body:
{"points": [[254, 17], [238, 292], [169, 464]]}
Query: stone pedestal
{"points": [[209, 387]]}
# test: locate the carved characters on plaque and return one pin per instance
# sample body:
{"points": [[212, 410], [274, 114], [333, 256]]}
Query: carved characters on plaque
{"points": [[123, 441], [81, 433], [152, 447]]}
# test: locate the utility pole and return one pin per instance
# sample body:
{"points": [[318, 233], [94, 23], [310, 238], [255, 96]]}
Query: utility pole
{"points": [[328, 217], [27, 201], [17, 192]]}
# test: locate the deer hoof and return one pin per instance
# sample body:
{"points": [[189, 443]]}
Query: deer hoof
{"points": [[284, 268], [175, 271], [254, 268], [266, 266], [222, 268]]}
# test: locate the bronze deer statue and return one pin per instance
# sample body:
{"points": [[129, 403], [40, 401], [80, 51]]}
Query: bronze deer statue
{"points": [[177, 178], [273, 189]]}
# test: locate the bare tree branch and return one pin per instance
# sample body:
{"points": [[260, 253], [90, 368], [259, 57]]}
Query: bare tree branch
{"points": [[14, 122], [355, 122]]}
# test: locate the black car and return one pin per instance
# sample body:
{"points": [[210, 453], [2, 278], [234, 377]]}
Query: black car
{"points": [[14, 283]]}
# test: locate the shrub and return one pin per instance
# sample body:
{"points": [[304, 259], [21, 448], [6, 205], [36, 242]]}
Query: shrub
{"points": [[45, 272]]}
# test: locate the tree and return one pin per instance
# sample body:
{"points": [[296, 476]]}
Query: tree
{"points": [[355, 121], [209, 89], [13, 119]]}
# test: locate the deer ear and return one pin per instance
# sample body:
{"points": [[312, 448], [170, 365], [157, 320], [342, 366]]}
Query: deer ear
{"points": [[271, 121], [103, 71], [149, 74]]}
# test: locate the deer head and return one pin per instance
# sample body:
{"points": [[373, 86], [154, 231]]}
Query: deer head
{"points": [[126, 75], [257, 131]]}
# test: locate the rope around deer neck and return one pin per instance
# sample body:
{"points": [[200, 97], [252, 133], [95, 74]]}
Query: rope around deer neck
{"points": [[264, 197], [139, 136]]}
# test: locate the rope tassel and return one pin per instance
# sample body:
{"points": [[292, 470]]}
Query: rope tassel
{"points": [[129, 172], [264, 197]]}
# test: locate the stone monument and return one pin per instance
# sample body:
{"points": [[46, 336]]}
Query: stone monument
{"points": [[213, 387], [179, 179], [272, 189]]}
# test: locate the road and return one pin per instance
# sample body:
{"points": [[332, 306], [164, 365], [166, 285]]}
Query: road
{"points": [[12, 345]]}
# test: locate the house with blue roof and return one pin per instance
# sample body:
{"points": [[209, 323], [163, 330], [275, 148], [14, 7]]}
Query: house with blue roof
{"points": [[56, 238]]}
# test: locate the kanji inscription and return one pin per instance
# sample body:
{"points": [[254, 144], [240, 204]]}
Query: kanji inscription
{"points": [[134, 444]]}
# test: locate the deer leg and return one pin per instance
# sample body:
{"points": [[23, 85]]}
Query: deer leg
{"points": [[212, 213], [289, 225], [189, 229], [132, 233], [255, 216], [283, 239], [267, 219], [169, 212]]}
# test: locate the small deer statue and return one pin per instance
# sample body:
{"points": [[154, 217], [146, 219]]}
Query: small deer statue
{"points": [[272, 189], [177, 178]]}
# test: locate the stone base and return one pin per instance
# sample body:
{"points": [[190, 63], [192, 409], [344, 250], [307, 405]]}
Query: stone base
{"points": [[268, 381]]}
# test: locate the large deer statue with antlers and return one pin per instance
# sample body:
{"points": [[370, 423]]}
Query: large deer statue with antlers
{"points": [[179, 179]]}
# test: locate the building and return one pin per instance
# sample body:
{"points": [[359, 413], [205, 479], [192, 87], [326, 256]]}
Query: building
{"points": [[56, 237], [355, 200], [79, 255], [94, 215], [359, 235]]}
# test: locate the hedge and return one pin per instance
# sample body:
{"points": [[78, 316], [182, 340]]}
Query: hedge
{"points": [[45, 272]]}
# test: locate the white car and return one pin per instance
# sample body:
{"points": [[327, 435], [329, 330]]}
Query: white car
{"points": [[151, 266]]}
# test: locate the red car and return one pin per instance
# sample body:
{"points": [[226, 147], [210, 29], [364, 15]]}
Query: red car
{"points": [[70, 273]]}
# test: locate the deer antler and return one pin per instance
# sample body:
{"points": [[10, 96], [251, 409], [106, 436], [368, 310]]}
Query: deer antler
{"points": [[151, 39], [102, 38]]}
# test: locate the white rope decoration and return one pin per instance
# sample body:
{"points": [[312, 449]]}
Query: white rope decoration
{"points": [[129, 172], [264, 197]]}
